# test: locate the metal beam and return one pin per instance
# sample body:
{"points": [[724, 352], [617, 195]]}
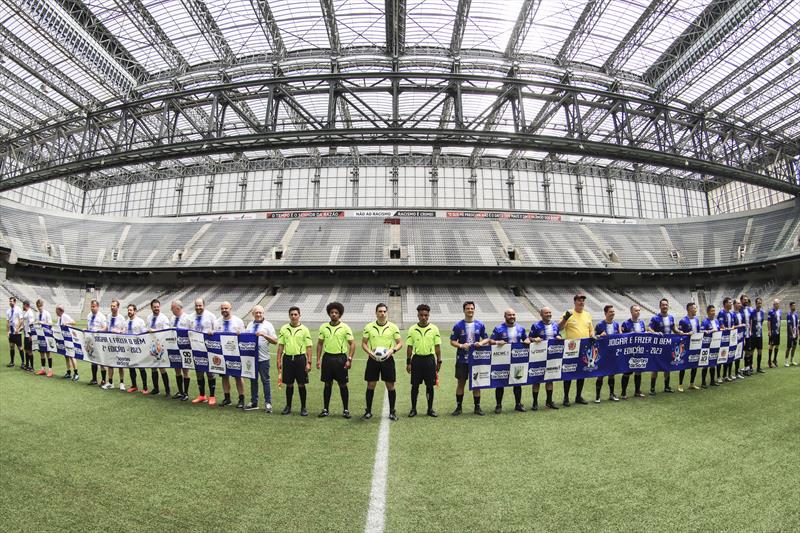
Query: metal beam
{"points": [[395, 15], [580, 31], [34, 97], [648, 21], [750, 108], [205, 22], [525, 17], [270, 28], [329, 15], [138, 14], [459, 25]]}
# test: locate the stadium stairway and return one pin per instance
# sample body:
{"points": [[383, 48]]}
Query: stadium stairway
{"points": [[634, 300], [396, 310]]}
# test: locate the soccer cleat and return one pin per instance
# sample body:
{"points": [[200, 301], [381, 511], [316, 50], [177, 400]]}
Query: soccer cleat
{"points": [[519, 408], [184, 397], [68, 375], [10, 365], [668, 389], [551, 405], [251, 407], [456, 412], [693, 387], [714, 384], [769, 363], [478, 411], [566, 403], [432, 413], [225, 402], [132, 389], [177, 396], [75, 377], [786, 364], [366, 416], [794, 363], [393, 416], [412, 413], [652, 392], [200, 399], [638, 394], [145, 392], [122, 387], [212, 401], [597, 400], [760, 371], [535, 406], [92, 382], [303, 412], [106, 386], [323, 413], [156, 392], [41, 372], [286, 410], [498, 409], [680, 388], [613, 398], [50, 373], [268, 408], [346, 414], [240, 405], [581, 401], [623, 397]]}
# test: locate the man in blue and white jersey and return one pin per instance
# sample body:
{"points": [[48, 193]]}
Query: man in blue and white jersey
{"points": [[507, 333], [467, 335], [663, 323]]}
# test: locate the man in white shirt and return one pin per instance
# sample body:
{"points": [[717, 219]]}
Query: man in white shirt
{"points": [[155, 322], [14, 320], [28, 318], [116, 324], [203, 322], [96, 321], [42, 317], [133, 326], [180, 320], [65, 320], [230, 323], [265, 332]]}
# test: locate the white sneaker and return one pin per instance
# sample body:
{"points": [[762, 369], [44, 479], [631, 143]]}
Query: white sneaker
{"points": [[794, 363], [122, 387], [597, 400], [786, 364], [106, 386], [268, 408]]}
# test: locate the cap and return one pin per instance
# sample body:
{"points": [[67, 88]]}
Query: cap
{"points": [[579, 296]]}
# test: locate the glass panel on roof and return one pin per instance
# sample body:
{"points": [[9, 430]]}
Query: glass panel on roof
{"points": [[301, 24], [240, 25], [430, 22], [551, 27], [489, 24], [180, 27], [360, 23], [613, 24]]}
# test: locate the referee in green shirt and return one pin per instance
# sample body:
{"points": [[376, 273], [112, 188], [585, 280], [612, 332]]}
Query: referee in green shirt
{"points": [[381, 334], [423, 342], [336, 338], [294, 359]]}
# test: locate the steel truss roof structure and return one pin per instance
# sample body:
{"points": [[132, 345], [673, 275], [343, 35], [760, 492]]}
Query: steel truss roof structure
{"points": [[103, 92]]}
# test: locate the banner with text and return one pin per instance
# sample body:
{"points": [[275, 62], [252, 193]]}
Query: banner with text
{"points": [[562, 360], [218, 353]]}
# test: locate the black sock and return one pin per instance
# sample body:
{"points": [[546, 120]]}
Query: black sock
{"points": [[637, 383], [579, 389], [212, 386], [201, 385], [241, 398], [598, 386], [653, 382], [154, 378], [370, 396], [186, 385], [302, 392], [681, 375], [143, 375], [228, 396], [611, 385], [165, 379], [758, 361], [94, 372], [549, 396], [567, 385], [666, 380], [392, 398], [477, 400], [42, 360], [133, 378], [429, 397], [703, 376], [459, 400], [625, 380], [414, 394], [692, 375], [345, 392], [69, 371], [498, 395], [103, 374], [50, 364], [327, 391], [179, 383], [289, 394], [518, 395], [535, 397]]}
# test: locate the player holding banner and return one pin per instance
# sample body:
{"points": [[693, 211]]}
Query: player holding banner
{"points": [[423, 341], [688, 325], [662, 324], [576, 324], [709, 324], [791, 334], [265, 332], [155, 322], [726, 320], [633, 325], [747, 312], [508, 332], [229, 323], [115, 326], [467, 335], [609, 326], [543, 331], [135, 326], [14, 320], [43, 317], [65, 320], [380, 340], [774, 322], [757, 327], [96, 321], [28, 318], [202, 321], [181, 320]]}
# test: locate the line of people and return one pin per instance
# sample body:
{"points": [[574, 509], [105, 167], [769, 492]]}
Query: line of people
{"points": [[335, 349]]}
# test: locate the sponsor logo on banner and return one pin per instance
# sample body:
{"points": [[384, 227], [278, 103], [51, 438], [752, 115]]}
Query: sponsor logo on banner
{"points": [[591, 360], [187, 360], [536, 371], [571, 348], [538, 352], [723, 355], [501, 355], [499, 374], [51, 344], [89, 347], [417, 214], [677, 354], [637, 363], [481, 375], [573, 367], [482, 355], [157, 349], [518, 373], [553, 369]]}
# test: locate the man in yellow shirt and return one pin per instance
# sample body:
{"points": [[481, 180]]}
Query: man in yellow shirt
{"points": [[576, 324], [424, 341], [336, 338], [294, 359]]}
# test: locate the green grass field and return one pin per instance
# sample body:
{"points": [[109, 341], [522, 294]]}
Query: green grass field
{"points": [[78, 458]]}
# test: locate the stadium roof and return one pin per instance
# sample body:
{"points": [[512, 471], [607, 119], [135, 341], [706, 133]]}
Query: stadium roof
{"points": [[99, 91]]}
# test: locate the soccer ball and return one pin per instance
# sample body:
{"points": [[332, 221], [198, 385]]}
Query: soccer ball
{"points": [[381, 354]]}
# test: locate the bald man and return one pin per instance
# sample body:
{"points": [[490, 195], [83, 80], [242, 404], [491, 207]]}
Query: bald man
{"points": [[508, 332], [181, 320], [229, 323], [202, 321], [543, 331]]}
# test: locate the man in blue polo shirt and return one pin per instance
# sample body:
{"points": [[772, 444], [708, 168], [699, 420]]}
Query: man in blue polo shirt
{"points": [[467, 335], [543, 331], [507, 333], [663, 323], [757, 329], [726, 320], [774, 321], [609, 326], [688, 325], [747, 312], [791, 334], [710, 323], [633, 325]]}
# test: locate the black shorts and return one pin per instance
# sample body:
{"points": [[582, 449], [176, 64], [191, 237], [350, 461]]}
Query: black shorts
{"points": [[384, 370], [775, 340], [293, 369], [748, 344], [333, 368], [15, 339], [462, 371], [28, 343], [756, 343], [423, 368]]}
